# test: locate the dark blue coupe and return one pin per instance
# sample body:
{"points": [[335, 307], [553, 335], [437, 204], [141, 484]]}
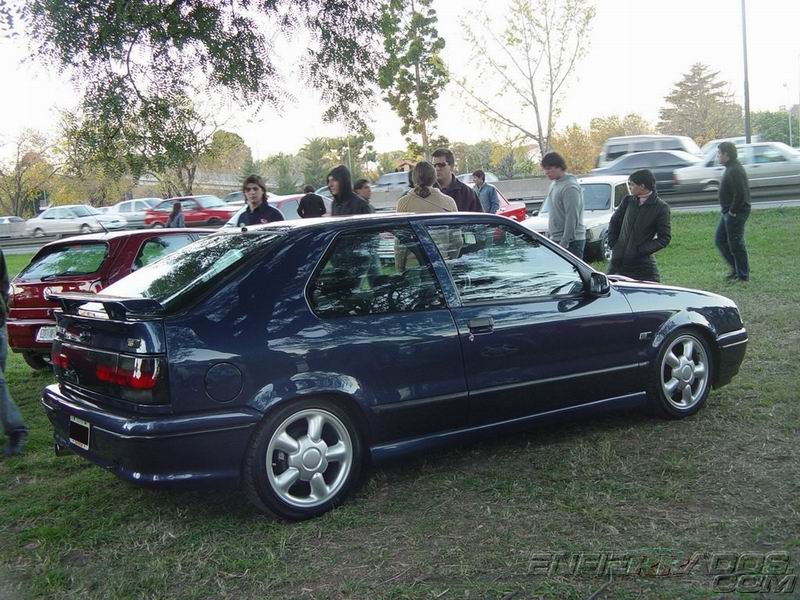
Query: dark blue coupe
{"points": [[285, 358]]}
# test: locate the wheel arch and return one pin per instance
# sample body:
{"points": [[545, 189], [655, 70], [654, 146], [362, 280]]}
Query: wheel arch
{"points": [[694, 322]]}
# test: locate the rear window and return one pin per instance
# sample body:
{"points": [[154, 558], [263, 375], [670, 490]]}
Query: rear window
{"points": [[63, 261], [596, 196], [190, 269]]}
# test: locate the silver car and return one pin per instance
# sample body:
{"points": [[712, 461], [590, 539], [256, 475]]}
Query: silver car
{"points": [[766, 164], [70, 219], [133, 211]]}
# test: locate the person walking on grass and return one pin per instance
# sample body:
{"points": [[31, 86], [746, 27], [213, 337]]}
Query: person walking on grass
{"points": [[734, 202]]}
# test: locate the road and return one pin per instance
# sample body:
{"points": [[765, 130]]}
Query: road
{"points": [[772, 198]]}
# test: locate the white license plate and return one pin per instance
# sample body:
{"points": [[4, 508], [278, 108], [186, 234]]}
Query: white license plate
{"points": [[79, 431], [46, 334]]}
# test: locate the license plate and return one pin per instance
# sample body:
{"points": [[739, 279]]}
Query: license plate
{"points": [[79, 431], [46, 334]]}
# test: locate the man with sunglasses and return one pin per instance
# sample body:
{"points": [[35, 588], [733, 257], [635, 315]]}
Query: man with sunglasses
{"points": [[465, 197]]}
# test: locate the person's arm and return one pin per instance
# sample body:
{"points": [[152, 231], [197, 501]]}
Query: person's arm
{"points": [[4, 283], [739, 181], [494, 201], [301, 211], [571, 200], [615, 224], [663, 228]]}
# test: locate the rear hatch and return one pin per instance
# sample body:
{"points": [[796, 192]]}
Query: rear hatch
{"points": [[63, 267], [110, 347]]}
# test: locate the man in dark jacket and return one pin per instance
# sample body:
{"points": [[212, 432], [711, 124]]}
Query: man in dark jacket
{"points": [[10, 417], [345, 201], [258, 210], [311, 205], [465, 197], [734, 202], [640, 227]]}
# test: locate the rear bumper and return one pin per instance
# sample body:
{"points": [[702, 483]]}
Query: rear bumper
{"points": [[22, 335], [732, 348], [165, 451]]}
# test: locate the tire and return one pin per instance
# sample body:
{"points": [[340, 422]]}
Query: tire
{"points": [[158, 225], [711, 186], [285, 463], [214, 222], [680, 380], [38, 232], [35, 361], [85, 229]]}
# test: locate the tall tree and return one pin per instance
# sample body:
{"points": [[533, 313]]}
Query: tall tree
{"points": [[414, 72], [227, 153], [284, 170], [26, 173], [701, 107], [525, 66], [315, 157], [774, 126]]}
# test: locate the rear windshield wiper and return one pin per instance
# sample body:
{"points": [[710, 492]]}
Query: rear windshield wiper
{"points": [[64, 274]]}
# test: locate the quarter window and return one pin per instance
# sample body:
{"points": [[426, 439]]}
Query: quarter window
{"points": [[158, 247], [490, 263], [375, 272]]}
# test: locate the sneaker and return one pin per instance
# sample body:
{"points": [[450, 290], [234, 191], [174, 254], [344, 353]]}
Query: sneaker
{"points": [[16, 443], [731, 276]]}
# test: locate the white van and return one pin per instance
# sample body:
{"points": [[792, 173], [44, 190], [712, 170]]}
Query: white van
{"points": [[620, 146]]}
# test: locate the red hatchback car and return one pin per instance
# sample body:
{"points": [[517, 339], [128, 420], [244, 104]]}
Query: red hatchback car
{"points": [[197, 210], [86, 263]]}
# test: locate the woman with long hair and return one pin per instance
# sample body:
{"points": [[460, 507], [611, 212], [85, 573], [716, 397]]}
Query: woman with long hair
{"points": [[176, 217], [425, 198]]}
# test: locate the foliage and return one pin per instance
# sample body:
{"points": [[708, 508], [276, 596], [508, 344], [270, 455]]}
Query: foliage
{"points": [[25, 176], [774, 126], [528, 62], [316, 161], [701, 107], [581, 146], [414, 73], [250, 167], [386, 161], [415, 151], [226, 153], [133, 52], [353, 151], [283, 170]]}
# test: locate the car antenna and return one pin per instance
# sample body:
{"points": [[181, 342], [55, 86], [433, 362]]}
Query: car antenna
{"points": [[99, 222]]}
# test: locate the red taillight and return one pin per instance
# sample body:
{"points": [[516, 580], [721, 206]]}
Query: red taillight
{"points": [[60, 360], [135, 379]]}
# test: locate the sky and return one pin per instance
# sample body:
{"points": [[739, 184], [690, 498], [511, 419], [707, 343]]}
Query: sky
{"points": [[638, 50]]}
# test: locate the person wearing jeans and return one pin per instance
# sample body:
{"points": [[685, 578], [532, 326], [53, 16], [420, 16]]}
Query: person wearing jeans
{"points": [[10, 417], [734, 201]]}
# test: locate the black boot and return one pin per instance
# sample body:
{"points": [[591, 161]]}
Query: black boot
{"points": [[16, 443]]}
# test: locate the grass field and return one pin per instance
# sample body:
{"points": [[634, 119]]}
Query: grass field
{"points": [[473, 521]]}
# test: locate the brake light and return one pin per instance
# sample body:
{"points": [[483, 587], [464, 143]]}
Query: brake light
{"points": [[60, 360], [137, 378]]}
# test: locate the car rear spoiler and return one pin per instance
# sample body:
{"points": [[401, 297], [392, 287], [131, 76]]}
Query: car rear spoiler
{"points": [[116, 308]]}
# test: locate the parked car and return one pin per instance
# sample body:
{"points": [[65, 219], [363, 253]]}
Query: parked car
{"points": [[766, 164], [286, 204], [467, 177], [601, 197], [71, 219], [710, 148], [197, 210], [615, 147], [134, 211], [662, 163], [12, 226], [234, 198], [281, 360], [88, 263]]}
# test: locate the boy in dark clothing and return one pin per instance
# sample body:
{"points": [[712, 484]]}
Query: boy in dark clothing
{"points": [[465, 197], [258, 211], [640, 227], [10, 417], [345, 201], [311, 205], [734, 202]]}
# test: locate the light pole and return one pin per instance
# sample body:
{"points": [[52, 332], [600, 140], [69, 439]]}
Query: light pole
{"points": [[747, 132], [789, 112]]}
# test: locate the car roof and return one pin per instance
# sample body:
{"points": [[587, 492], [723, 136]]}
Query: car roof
{"points": [[115, 235], [678, 153], [645, 137], [610, 179]]}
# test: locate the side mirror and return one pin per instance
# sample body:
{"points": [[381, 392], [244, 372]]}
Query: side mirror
{"points": [[598, 284]]}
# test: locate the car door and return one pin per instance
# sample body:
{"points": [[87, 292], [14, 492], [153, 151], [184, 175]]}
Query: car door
{"points": [[771, 166], [383, 322], [533, 340], [193, 213]]}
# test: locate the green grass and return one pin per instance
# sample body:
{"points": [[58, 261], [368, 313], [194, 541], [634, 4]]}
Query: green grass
{"points": [[466, 522]]}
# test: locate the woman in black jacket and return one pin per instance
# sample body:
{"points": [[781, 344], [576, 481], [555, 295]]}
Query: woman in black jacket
{"points": [[640, 227]]}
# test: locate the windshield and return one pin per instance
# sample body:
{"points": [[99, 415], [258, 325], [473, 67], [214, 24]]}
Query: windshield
{"points": [[85, 211], [72, 259], [211, 201], [189, 269]]}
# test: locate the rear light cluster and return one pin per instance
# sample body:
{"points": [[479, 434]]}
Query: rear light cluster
{"points": [[135, 379]]}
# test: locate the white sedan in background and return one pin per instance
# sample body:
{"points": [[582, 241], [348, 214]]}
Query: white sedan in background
{"points": [[71, 219], [601, 197]]}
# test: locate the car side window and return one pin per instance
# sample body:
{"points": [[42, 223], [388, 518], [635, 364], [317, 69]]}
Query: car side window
{"points": [[619, 193], [765, 154], [497, 263], [158, 247], [289, 210], [125, 207], [189, 205], [363, 275]]}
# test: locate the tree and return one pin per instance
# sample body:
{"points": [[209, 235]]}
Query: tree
{"points": [[528, 63], [283, 169], [414, 72], [315, 157], [135, 51], [701, 107], [387, 161], [352, 151], [774, 126], [227, 152], [25, 175]]}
